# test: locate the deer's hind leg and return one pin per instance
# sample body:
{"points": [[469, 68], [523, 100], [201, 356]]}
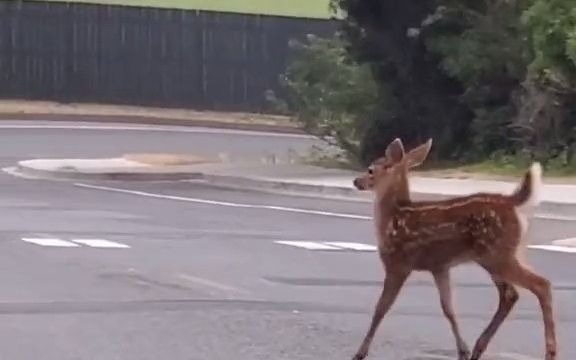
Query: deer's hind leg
{"points": [[518, 274], [508, 296]]}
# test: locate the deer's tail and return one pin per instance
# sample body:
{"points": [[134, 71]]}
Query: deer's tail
{"points": [[528, 193]]}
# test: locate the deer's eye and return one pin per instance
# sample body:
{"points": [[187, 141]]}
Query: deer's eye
{"points": [[370, 171]]}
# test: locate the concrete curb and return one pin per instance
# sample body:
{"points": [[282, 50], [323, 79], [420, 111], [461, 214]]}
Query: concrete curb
{"points": [[189, 173], [135, 119], [224, 181], [126, 175], [182, 173], [321, 191], [285, 187]]}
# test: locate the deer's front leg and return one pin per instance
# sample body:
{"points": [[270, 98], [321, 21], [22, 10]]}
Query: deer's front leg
{"points": [[392, 285], [442, 280]]}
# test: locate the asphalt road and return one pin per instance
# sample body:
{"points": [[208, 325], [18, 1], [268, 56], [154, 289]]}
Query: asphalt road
{"points": [[27, 140], [202, 275]]}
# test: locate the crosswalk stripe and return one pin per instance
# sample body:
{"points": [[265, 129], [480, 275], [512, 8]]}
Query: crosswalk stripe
{"points": [[352, 246], [556, 248], [100, 243], [329, 245], [52, 242], [507, 356], [570, 242], [309, 245], [342, 246]]}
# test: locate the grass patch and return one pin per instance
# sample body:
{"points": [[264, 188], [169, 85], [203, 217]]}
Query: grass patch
{"points": [[491, 167], [504, 169], [292, 8]]}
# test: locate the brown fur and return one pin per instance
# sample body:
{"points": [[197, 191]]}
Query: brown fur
{"points": [[435, 236]]}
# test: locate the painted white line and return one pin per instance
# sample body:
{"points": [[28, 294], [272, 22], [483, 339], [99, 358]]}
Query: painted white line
{"points": [[50, 242], [12, 170], [555, 248], [427, 356], [352, 246], [571, 242], [268, 207], [83, 127], [555, 217], [309, 245], [224, 203], [152, 128], [100, 243], [514, 356], [511, 356]]}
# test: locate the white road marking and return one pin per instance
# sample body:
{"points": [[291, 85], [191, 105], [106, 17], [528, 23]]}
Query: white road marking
{"points": [[511, 356], [352, 246], [204, 130], [319, 246], [329, 245], [224, 203], [336, 246], [561, 245], [100, 243], [555, 248], [545, 216], [53, 242], [309, 245], [514, 356], [571, 242], [269, 207], [12, 170], [427, 356], [56, 242]]}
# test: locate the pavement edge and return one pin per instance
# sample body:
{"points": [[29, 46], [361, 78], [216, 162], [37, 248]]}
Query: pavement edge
{"points": [[140, 119], [219, 180]]}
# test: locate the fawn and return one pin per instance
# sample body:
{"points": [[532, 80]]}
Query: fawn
{"points": [[434, 236]]}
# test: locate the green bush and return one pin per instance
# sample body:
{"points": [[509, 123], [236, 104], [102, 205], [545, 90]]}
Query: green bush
{"points": [[488, 81], [330, 95]]}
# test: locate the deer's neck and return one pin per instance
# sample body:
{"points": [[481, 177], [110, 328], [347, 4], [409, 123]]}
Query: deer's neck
{"points": [[388, 200]]}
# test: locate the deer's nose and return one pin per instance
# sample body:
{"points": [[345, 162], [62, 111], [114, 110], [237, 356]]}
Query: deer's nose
{"points": [[357, 184]]}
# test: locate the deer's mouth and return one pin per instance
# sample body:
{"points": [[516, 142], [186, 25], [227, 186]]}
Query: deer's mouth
{"points": [[359, 184]]}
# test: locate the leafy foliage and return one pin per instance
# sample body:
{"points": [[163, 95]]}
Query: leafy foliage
{"points": [[329, 94], [552, 28], [484, 78]]}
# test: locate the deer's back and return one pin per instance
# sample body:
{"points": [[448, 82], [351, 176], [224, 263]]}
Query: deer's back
{"points": [[431, 235]]}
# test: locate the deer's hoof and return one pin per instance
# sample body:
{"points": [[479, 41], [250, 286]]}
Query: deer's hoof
{"points": [[360, 356], [464, 355]]}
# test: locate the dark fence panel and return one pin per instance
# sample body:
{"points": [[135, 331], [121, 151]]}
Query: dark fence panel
{"points": [[144, 56]]}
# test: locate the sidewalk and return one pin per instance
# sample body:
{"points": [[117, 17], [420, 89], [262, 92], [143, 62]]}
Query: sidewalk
{"points": [[294, 179]]}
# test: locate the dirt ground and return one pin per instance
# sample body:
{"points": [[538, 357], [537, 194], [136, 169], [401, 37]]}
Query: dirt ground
{"points": [[46, 110]]}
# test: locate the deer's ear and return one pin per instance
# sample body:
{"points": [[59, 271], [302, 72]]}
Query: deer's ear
{"points": [[395, 151], [418, 155]]}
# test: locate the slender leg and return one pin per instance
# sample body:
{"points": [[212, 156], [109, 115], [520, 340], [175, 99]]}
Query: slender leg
{"points": [[392, 285], [519, 275], [442, 280], [508, 296]]}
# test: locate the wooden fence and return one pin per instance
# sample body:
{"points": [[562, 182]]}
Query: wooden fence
{"points": [[144, 56]]}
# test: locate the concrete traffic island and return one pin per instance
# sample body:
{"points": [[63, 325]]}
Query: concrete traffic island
{"points": [[291, 179], [285, 178], [130, 167]]}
